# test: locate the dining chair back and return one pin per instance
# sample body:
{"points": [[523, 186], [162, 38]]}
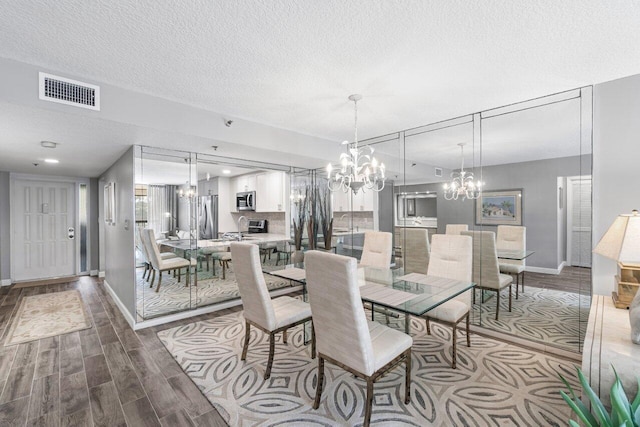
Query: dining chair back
{"points": [[416, 253], [456, 228], [376, 251]]}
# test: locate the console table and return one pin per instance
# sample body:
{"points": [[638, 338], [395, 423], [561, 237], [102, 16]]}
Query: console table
{"points": [[607, 343]]}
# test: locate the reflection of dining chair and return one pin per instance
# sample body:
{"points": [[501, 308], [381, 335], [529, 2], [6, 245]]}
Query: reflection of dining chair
{"points": [[416, 256], [161, 264], [270, 316], [145, 253], [376, 251], [486, 272], [456, 228], [512, 238], [451, 258], [344, 336]]}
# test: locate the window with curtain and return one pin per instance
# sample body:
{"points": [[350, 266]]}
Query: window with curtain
{"points": [[157, 206]]}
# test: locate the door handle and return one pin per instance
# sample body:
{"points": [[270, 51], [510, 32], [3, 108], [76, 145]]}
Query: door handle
{"points": [[71, 233]]}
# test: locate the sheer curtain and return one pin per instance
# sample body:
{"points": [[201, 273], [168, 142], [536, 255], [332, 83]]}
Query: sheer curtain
{"points": [[158, 205]]}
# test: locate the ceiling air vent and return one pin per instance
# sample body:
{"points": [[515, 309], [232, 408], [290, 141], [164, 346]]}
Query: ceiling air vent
{"points": [[70, 92], [438, 171]]}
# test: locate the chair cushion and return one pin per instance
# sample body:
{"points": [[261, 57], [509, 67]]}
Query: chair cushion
{"points": [[177, 262], [289, 310], [387, 343], [511, 268], [450, 311], [505, 280], [167, 255], [223, 256]]}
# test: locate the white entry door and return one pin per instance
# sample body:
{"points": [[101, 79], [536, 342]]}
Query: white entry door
{"points": [[579, 221], [43, 229]]}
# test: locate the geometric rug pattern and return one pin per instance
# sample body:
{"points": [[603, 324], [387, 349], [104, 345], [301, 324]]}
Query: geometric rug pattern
{"points": [[548, 316], [494, 384], [48, 315], [174, 296]]}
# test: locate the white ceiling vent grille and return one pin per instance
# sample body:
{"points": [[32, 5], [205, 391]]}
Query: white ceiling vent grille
{"points": [[438, 171], [70, 92]]}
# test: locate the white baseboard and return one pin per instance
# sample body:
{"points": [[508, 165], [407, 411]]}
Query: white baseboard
{"points": [[93, 273], [101, 274], [544, 270], [129, 318], [5, 282], [205, 310]]}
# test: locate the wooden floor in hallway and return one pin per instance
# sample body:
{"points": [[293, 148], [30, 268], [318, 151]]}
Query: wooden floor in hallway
{"points": [[107, 375]]}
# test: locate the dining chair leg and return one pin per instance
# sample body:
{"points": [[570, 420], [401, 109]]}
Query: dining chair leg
{"points": [[272, 350], [179, 274], [517, 283], [159, 281], [510, 286], [454, 337], [368, 403], [246, 340], [320, 383], [407, 377], [523, 281], [474, 296], [284, 336], [313, 341], [428, 326], [497, 303], [468, 334], [153, 279]]}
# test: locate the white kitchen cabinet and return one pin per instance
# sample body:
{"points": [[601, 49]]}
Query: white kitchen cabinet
{"points": [[245, 183], [341, 201], [270, 192], [363, 201]]}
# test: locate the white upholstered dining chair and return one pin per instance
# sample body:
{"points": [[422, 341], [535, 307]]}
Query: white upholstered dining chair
{"points": [[456, 228], [416, 252], [486, 272], [451, 258], [140, 244], [270, 316], [377, 248], [162, 263], [512, 238], [344, 335]]}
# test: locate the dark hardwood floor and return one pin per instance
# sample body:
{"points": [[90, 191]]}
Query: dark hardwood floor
{"points": [[107, 375], [570, 279]]}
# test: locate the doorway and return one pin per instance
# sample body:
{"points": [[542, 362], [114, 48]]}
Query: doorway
{"points": [[579, 221], [44, 229]]}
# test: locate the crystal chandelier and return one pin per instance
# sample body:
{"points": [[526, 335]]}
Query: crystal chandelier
{"points": [[186, 191], [462, 183], [358, 168]]}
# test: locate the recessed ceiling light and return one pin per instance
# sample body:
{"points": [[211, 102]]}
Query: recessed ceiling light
{"points": [[48, 144], [226, 171], [51, 161]]}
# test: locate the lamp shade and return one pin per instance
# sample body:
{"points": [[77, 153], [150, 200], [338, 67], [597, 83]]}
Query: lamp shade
{"points": [[622, 240]]}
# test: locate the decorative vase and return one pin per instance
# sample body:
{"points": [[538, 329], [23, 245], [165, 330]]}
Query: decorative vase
{"points": [[634, 318]]}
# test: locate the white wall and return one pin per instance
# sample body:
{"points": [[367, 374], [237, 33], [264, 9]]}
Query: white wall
{"points": [[225, 219], [616, 165]]}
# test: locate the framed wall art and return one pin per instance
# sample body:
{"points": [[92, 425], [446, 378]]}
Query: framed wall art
{"points": [[499, 207]]}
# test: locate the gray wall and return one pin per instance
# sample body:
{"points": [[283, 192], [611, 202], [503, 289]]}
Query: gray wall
{"points": [[538, 180], [5, 237], [616, 152], [119, 243]]}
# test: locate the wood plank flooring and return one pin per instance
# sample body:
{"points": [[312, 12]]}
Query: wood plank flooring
{"points": [[107, 375]]}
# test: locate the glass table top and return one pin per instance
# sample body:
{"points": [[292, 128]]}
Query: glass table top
{"points": [[514, 254]]}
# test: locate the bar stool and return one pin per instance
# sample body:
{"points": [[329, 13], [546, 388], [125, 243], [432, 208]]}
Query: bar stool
{"points": [[223, 258]]}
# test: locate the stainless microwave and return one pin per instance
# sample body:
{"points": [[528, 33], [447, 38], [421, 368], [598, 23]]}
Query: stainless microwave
{"points": [[246, 201]]}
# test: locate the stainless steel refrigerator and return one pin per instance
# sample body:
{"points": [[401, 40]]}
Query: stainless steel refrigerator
{"points": [[207, 217]]}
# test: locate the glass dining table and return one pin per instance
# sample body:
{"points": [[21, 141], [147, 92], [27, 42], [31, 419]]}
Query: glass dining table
{"points": [[410, 294]]}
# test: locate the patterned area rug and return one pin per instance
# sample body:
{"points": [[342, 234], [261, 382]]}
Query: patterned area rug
{"points": [[174, 296], [495, 383], [47, 315], [552, 317]]}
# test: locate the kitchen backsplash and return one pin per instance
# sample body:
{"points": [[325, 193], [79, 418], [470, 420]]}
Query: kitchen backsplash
{"points": [[361, 220], [275, 220]]}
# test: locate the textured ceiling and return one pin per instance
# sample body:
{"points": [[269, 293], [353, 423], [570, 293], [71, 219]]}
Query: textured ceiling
{"points": [[292, 64]]}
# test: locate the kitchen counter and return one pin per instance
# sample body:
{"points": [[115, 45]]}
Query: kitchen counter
{"points": [[256, 238]]}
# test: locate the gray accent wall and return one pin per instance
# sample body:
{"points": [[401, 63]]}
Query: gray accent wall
{"points": [[5, 237], [119, 242], [538, 180]]}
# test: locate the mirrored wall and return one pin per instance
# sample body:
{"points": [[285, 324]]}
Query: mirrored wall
{"points": [[531, 166]]}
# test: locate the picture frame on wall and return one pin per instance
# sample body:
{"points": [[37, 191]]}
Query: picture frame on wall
{"points": [[110, 203], [499, 207]]}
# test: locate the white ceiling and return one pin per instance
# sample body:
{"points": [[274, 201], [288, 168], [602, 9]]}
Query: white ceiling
{"points": [[293, 64]]}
